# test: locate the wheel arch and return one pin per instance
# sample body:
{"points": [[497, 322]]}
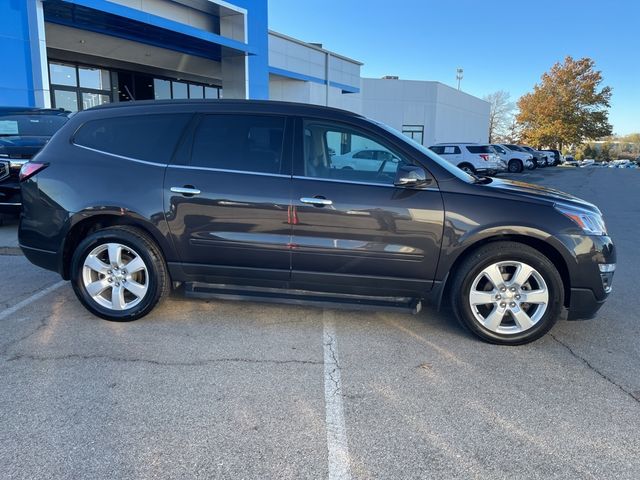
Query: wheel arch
{"points": [[83, 224], [548, 250], [466, 164]]}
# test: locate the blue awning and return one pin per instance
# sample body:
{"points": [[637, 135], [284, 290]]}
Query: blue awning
{"points": [[107, 18]]}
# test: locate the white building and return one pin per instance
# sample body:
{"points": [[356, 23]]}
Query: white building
{"points": [[429, 112]]}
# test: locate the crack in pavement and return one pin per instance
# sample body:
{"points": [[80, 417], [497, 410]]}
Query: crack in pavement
{"points": [[594, 369], [334, 373], [198, 363], [42, 324]]}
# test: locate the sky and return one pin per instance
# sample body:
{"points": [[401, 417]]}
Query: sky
{"points": [[501, 45]]}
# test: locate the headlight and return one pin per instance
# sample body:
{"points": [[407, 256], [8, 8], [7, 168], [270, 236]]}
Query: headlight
{"points": [[590, 223]]}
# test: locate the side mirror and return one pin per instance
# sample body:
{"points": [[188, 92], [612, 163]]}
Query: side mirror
{"points": [[411, 176]]}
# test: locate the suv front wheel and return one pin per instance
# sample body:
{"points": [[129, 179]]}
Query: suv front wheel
{"points": [[119, 273], [507, 293]]}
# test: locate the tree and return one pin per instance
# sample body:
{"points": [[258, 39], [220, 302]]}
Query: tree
{"points": [[605, 152], [567, 106], [512, 134], [500, 115]]}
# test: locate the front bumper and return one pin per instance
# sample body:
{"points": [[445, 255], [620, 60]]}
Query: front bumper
{"points": [[591, 275], [10, 199], [491, 168]]}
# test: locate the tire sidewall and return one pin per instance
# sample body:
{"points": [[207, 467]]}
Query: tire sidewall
{"points": [[549, 274], [131, 241], [518, 164]]}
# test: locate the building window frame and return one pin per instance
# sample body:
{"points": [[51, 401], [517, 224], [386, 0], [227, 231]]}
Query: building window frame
{"points": [[415, 132]]}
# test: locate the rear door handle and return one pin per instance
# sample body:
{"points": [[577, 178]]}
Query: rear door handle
{"points": [[186, 190], [316, 201]]}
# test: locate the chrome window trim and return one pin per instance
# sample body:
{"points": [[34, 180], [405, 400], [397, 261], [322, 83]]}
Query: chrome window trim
{"points": [[145, 162], [353, 182], [225, 170]]}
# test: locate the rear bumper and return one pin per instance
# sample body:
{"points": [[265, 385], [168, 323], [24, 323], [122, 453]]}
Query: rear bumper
{"points": [[42, 258]]}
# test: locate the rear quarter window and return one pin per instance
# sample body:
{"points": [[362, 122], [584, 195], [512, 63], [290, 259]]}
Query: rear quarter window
{"points": [[479, 149], [152, 138]]}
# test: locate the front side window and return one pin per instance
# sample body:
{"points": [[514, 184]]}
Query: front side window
{"points": [[500, 149], [151, 138], [248, 143], [341, 153]]}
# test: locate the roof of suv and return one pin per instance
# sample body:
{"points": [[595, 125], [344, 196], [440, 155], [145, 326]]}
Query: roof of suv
{"points": [[228, 103]]}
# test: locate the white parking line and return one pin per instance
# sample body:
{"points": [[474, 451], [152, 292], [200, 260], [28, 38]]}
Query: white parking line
{"points": [[336, 430], [36, 296]]}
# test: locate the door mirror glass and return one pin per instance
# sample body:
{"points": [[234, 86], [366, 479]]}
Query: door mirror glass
{"points": [[411, 176]]}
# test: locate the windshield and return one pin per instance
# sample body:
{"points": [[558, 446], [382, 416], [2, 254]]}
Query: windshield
{"points": [[455, 171], [26, 125], [516, 148]]}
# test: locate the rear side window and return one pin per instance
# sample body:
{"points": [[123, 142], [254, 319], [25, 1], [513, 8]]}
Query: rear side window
{"points": [[249, 143], [152, 138], [479, 149], [25, 125], [445, 149]]}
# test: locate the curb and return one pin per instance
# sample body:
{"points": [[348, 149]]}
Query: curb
{"points": [[13, 251]]}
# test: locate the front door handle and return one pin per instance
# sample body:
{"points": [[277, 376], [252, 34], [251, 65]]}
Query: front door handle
{"points": [[318, 202], [187, 190]]}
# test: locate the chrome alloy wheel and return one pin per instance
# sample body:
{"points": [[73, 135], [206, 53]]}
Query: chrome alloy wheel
{"points": [[508, 297], [115, 276]]}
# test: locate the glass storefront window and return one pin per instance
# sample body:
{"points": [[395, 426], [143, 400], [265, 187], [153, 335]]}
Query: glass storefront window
{"points": [[195, 91], [63, 74], [161, 89], [210, 92], [66, 100], [93, 99], [94, 78], [180, 90]]}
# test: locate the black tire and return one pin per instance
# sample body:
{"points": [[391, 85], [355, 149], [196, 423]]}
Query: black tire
{"points": [[515, 166], [158, 282], [485, 256], [467, 167]]}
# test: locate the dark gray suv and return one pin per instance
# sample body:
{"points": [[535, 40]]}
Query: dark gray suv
{"points": [[241, 199]]}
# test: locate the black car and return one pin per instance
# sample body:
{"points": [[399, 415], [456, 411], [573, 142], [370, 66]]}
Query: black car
{"points": [[239, 199], [23, 132], [539, 157]]}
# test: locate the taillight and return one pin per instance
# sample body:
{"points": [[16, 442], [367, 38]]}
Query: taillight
{"points": [[485, 156], [29, 169]]}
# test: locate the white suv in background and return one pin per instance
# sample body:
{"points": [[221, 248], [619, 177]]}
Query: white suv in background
{"points": [[471, 157], [516, 161]]}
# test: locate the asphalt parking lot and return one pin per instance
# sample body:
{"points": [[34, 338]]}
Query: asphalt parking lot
{"points": [[245, 390]]}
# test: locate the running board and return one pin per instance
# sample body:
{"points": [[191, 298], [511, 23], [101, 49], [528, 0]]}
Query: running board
{"points": [[302, 297]]}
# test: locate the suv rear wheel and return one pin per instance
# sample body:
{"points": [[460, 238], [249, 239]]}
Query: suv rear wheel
{"points": [[507, 293], [467, 167], [119, 273]]}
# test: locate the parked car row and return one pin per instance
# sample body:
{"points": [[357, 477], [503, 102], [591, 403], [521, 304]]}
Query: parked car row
{"points": [[489, 159]]}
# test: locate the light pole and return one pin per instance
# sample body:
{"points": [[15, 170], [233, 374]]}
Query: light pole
{"points": [[459, 76]]}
